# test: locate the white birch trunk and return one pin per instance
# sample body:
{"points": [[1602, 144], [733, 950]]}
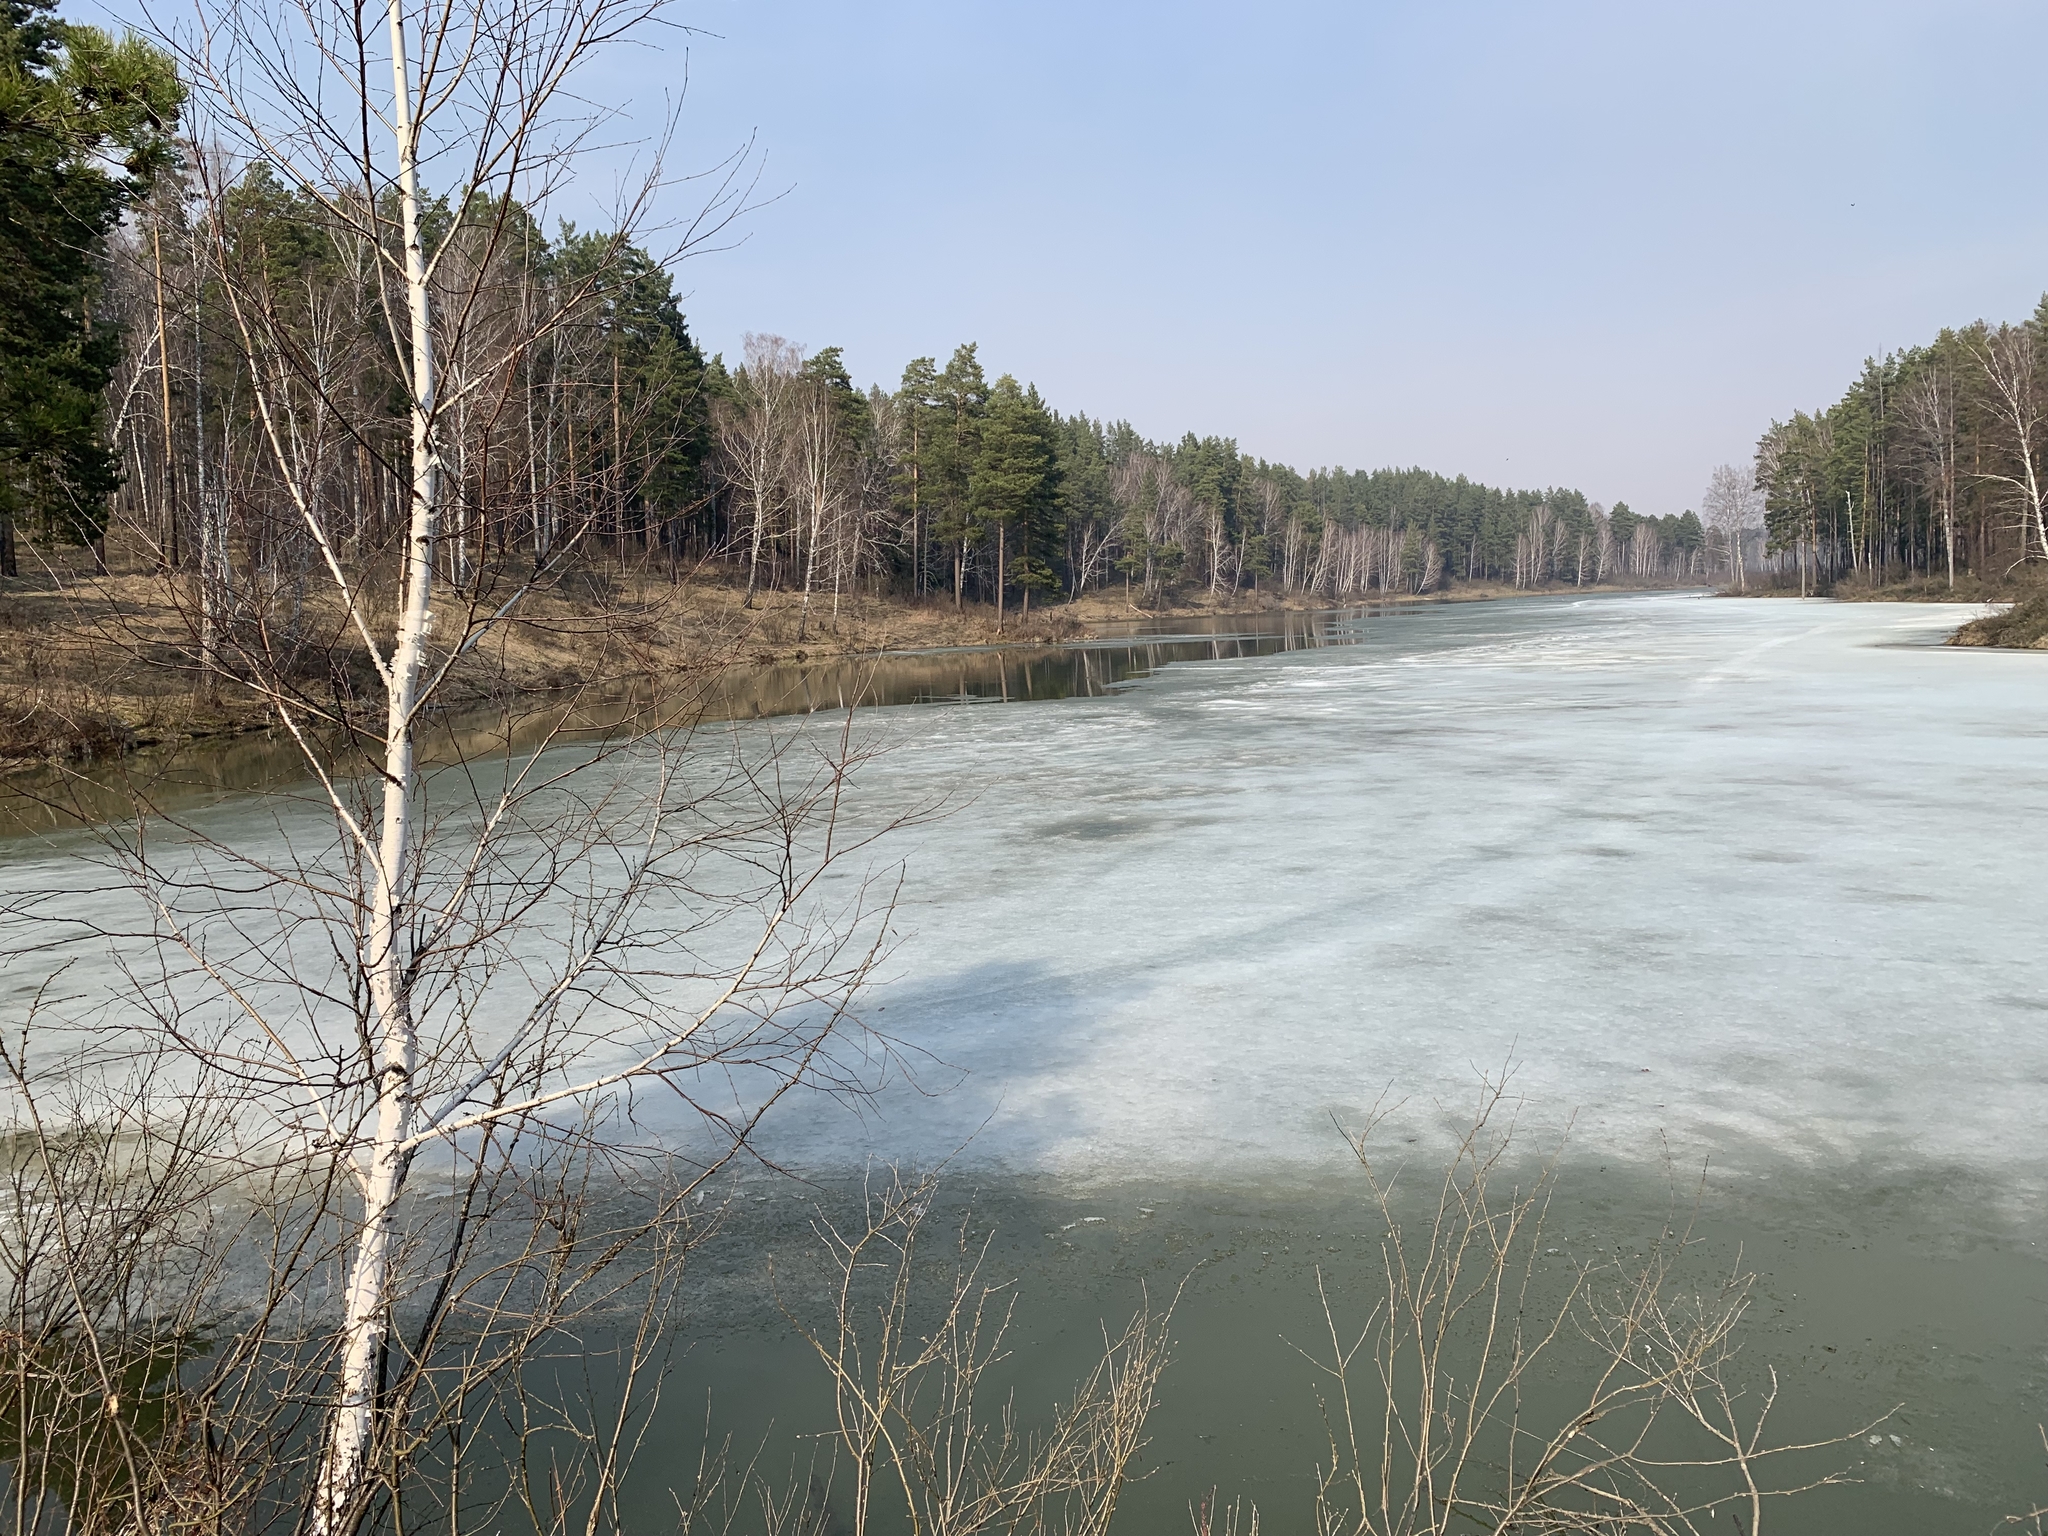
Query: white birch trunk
{"points": [[2035, 495], [366, 1297]]}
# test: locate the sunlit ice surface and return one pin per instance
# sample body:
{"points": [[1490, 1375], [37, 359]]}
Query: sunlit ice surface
{"points": [[1740, 890], [1739, 881]]}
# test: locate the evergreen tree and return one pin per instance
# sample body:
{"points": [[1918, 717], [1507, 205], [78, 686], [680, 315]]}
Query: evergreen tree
{"points": [[960, 395], [1209, 468], [1014, 488], [918, 419], [1086, 509], [85, 126], [630, 332], [1039, 528], [1687, 536], [827, 369]]}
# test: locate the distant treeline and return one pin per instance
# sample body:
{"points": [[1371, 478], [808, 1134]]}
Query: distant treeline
{"points": [[579, 414], [949, 480], [1934, 463]]}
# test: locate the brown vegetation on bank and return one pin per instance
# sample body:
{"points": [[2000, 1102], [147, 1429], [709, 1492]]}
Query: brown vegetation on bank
{"points": [[94, 665], [2023, 626], [2021, 622]]}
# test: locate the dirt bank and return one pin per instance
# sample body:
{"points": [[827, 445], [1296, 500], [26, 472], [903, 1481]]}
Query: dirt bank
{"points": [[93, 665], [2023, 626]]}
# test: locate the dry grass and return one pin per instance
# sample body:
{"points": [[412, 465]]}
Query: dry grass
{"points": [[2023, 626], [1929, 589], [97, 663]]}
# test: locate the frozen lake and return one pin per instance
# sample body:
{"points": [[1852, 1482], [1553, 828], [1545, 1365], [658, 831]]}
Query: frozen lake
{"points": [[1753, 875], [1745, 885], [1748, 881]]}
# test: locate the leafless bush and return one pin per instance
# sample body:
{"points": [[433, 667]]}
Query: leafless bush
{"points": [[104, 1249], [2036, 1519], [921, 1438], [59, 723], [1441, 1410]]}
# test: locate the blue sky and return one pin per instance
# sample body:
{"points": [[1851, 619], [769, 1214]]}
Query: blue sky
{"points": [[1585, 244]]}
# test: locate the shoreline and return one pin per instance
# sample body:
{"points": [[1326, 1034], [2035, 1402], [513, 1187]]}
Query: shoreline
{"points": [[108, 671], [108, 674]]}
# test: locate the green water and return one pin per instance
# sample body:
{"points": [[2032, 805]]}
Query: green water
{"points": [[1899, 1304]]}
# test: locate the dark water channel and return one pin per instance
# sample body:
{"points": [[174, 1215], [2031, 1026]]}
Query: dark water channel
{"points": [[1934, 1359]]}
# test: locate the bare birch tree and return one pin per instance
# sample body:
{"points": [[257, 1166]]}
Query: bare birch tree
{"points": [[1732, 507], [755, 436], [478, 946], [2007, 357], [1929, 409], [822, 471]]}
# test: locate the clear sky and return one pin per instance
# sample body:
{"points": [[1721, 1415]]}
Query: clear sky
{"points": [[1589, 244], [1585, 244]]}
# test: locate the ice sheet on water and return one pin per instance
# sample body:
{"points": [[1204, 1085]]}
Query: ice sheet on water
{"points": [[1775, 852], [1781, 854]]}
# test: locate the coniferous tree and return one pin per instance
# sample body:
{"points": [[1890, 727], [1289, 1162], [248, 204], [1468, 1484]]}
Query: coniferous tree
{"points": [[85, 124], [960, 395], [1209, 468], [649, 465], [1086, 509], [918, 420], [1013, 488]]}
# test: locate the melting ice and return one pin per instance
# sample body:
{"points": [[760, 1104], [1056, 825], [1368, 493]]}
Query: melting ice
{"points": [[1759, 876]]}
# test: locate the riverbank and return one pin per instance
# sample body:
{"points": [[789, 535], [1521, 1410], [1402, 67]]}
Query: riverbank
{"points": [[2023, 626], [2020, 622], [101, 665]]}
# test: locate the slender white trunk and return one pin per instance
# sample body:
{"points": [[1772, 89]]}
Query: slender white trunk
{"points": [[1948, 533], [760, 479], [386, 957], [2035, 495], [820, 478]]}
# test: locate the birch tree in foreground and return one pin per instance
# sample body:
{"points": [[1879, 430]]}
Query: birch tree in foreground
{"points": [[485, 938]]}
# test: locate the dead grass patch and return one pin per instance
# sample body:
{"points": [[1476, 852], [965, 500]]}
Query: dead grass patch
{"points": [[2022, 627]]}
